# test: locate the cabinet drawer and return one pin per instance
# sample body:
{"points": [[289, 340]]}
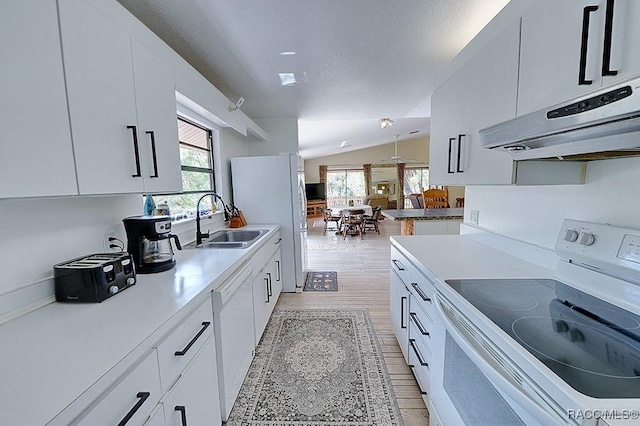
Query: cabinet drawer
{"points": [[265, 252], [402, 266], [420, 371], [420, 328], [134, 397], [423, 293], [177, 349]]}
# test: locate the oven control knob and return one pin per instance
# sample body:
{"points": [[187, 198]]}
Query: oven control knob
{"points": [[570, 235], [587, 239], [560, 326], [113, 289], [576, 335], [131, 281]]}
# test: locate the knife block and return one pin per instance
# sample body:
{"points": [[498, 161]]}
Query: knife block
{"points": [[238, 221]]}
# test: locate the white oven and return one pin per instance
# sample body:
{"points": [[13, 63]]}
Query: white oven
{"points": [[562, 351]]}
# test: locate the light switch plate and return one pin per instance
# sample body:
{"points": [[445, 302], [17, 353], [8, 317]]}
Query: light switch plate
{"points": [[474, 217]]}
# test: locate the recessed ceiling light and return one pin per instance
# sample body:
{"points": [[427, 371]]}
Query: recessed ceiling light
{"points": [[287, 53], [287, 79]]}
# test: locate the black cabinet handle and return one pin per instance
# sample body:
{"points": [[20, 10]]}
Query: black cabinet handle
{"points": [[136, 150], [278, 241], [449, 169], [183, 413], [608, 34], [420, 293], [278, 270], [402, 301], [412, 342], [458, 168], [398, 265], [184, 351], [152, 137], [418, 324], [142, 396], [417, 382], [266, 283], [584, 45], [269, 289]]}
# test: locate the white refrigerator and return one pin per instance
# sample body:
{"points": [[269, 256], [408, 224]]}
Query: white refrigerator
{"points": [[270, 190]]}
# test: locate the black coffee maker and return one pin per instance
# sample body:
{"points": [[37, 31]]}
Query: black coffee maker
{"points": [[149, 243]]}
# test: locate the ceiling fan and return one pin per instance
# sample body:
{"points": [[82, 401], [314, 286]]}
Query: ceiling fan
{"points": [[396, 158]]}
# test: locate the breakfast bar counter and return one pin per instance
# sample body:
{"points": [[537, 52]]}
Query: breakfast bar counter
{"points": [[427, 221]]}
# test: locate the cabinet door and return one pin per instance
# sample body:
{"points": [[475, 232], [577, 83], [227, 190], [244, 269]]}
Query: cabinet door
{"points": [[277, 278], [261, 301], [99, 76], [133, 398], [194, 400], [444, 126], [157, 121], [36, 156], [399, 305]]}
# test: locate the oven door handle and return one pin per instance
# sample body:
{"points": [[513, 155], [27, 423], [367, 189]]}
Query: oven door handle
{"points": [[537, 407]]}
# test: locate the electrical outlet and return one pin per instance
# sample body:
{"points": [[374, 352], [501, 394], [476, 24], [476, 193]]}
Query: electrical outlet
{"points": [[106, 243], [474, 217]]}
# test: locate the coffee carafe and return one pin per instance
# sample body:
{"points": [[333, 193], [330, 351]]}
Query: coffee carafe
{"points": [[149, 242]]}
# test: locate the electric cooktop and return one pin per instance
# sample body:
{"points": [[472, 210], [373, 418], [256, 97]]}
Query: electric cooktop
{"points": [[592, 345]]}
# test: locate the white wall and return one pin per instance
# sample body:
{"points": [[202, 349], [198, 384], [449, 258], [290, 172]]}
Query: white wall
{"points": [[534, 214], [282, 137]]}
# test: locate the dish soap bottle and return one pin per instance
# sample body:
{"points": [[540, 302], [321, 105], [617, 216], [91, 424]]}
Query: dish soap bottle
{"points": [[149, 205]]}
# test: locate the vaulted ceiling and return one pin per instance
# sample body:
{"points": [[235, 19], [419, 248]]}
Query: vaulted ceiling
{"points": [[337, 65]]}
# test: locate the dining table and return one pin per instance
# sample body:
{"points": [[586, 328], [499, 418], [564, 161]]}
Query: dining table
{"points": [[336, 209]]}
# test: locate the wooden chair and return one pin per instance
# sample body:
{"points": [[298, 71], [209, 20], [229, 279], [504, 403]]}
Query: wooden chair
{"points": [[460, 202], [352, 221], [328, 217], [435, 199], [373, 221]]}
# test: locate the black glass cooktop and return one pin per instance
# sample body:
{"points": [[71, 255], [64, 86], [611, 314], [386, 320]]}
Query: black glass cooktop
{"points": [[592, 345]]}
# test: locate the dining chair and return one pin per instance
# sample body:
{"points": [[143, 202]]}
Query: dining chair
{"points": [[352, 222], [328, 216], [435, 199], [373, 221]]}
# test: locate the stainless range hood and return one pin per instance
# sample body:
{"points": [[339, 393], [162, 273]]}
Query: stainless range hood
{"points": [[603, 124]]}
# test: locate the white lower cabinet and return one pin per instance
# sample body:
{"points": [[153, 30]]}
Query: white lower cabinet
{"points": [[398, 310], [131, 400], [267, 287], [193, 400]]}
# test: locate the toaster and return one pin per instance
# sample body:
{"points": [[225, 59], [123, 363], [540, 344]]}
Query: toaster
{"points": [[93, 278]]}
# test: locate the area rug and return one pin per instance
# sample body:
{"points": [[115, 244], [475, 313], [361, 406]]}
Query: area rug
{"points": [[321, 281], [319, 368], [337, 246]]}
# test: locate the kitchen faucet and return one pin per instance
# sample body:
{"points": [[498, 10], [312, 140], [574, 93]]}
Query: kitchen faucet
{"points": [[200, 235]]}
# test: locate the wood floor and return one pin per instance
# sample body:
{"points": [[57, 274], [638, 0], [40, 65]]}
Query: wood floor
{"points": [[363, 282]]}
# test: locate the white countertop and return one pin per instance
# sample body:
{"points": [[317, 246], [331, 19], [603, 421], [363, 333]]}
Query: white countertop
{"points": [[52, 355], [446, 257]]}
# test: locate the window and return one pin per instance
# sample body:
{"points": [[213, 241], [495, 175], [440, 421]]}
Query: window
{"points": [[415, 179], [345, 185], [196, 161]]}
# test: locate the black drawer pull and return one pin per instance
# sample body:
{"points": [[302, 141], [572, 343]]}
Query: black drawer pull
{"points": [[184, 351], [458, 168], [269, 289], [142, 398], [412, 342], [152, 137], [582, 74], [420, 293], [449, 169], [398, 265], [183, 413], [402, 310], [278, 270], [417, 382], [266, 284], [136, 150], [418, 324], [608, 34]]}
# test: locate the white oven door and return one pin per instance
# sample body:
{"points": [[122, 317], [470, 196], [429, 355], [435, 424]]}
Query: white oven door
{"points": [[474, 384]]}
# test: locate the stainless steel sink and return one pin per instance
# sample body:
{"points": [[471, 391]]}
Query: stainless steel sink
{"points": [[231, 238]]}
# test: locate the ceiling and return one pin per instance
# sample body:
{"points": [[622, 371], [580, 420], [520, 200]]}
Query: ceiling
{"points": [[353, 61]]}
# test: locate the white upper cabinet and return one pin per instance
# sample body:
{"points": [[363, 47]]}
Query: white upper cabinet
{"points": [[122, 106], [483, 92], [570, 48], [36, 156]]}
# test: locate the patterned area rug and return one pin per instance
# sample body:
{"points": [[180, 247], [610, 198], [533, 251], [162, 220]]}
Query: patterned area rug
{"points": [[321, 281], [338, 246], [320, 368]]}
